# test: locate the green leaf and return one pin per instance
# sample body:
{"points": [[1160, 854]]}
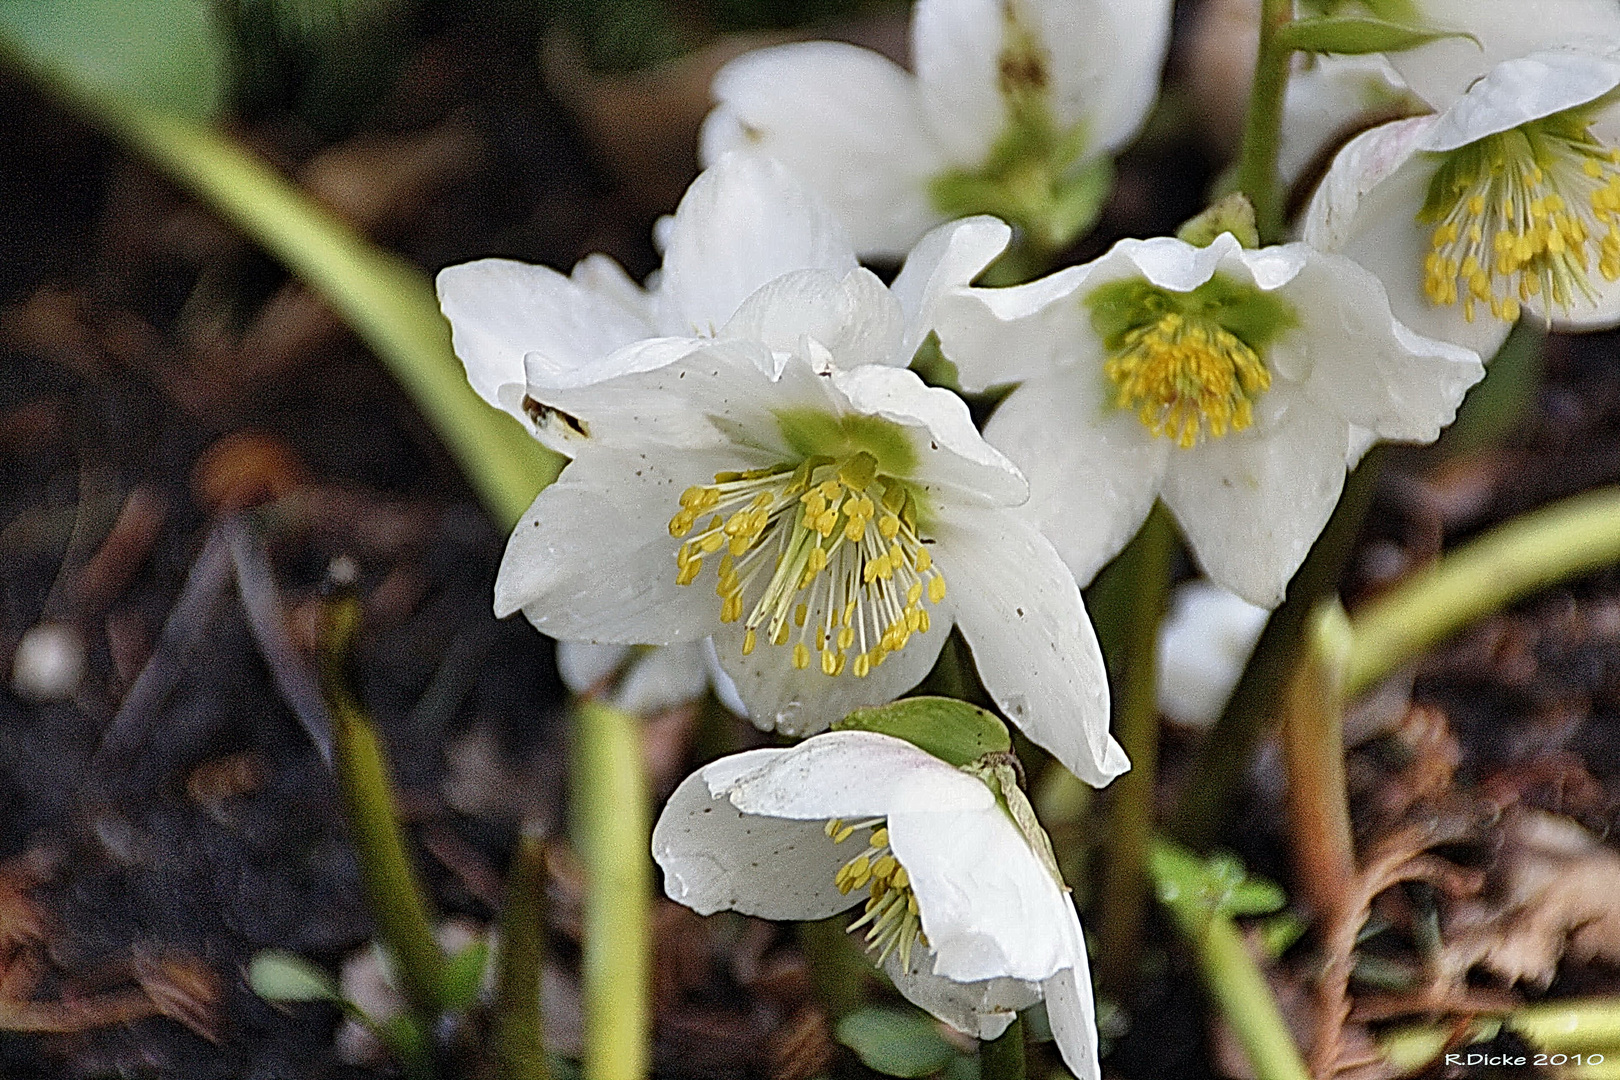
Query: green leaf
{"points": [[464, 976], [951, 730], [168, 55], [895, 1043], [1356, 35], [1218, 885], [283, 976]]}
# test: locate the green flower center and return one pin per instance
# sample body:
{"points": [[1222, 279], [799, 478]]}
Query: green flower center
{"points": [[891, 908], [1188, 364], [836, 542], [1523, 213]]}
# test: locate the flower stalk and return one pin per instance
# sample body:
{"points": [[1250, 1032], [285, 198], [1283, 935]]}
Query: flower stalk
{"points": [[519, 1037], [1257, 167], [1565, 540], [394, 895], [1136, 721], [1002, 1058], [614, 829]]}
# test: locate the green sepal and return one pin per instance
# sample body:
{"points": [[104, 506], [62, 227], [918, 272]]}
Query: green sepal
{"points": [[953, 731], [1233, 214], [1354, 35], [281, 976]]}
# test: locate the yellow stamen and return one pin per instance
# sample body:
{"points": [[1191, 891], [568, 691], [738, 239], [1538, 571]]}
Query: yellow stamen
{"points": [[891, 914], [1187, 378]]}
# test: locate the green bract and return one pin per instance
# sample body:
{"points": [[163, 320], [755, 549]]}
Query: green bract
{"points": [[953, 731]]}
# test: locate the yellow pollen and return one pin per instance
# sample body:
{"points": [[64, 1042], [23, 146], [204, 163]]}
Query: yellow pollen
{"points": [[1523, 213], [826, 556], [891, 914], [1187, 378]]}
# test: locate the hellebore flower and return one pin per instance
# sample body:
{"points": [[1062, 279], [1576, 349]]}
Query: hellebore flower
{"points": [[1013, 111], [1204, 644], [1509, 201], [964, 907], [770, 474], [1235, 385], [647, 679]]}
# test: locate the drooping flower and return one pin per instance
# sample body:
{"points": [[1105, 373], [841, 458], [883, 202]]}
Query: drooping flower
{"points": [[769, 474], [1204, 644], [1236, 385], [1014, 107], [963, 905], [1507, 202]]}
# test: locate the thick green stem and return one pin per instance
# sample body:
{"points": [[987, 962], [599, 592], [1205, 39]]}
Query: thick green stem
{"points": [[1565, 540], [389, 303], [1218, 773], [519, 1042], [395, 898], [1002, 1058], [1262, 130], [611, 800], [1124, 895], [1313, 760]]}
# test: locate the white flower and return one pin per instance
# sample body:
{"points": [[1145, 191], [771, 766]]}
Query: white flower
{"points": [[647, 679], [780, 485], [1229, 383], [1508, 201], [1204, 644], [1442, 71], [969, 919], [1011, 101], [1329, 98]]}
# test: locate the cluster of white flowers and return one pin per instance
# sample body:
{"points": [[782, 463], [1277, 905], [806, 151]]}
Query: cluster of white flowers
{"points": [[756, 472]]}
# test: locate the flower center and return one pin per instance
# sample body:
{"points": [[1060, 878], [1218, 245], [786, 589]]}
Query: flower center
{"points": [[836, 544], [1187, 377], [1523, 213], [891, 909]]}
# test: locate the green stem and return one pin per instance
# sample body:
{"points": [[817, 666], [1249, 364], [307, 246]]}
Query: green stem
{"points": [[1262, 130], [1217, 774], [837, 971], [1313, 761], [519, 1037], [1565, 540], [611, 800], [1236, 983], [1002, 1058], [1136, 723], [394, 896], [389, 303]]}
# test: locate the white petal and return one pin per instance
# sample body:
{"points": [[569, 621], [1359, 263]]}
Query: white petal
{"points": [[1073, 1018], [1106, 59], [780, 697], [743, 222], [1522, 89], [1204, 643], [584, 666], [981, 1009], [1358, 362], [724, 689], [1176, 265], [499, 310], [716, 858], [592, 559], [988, 906], [850, 774], [663, 678], [1331, 99], [1021, 613], [1252, 503], [1443, 70], [1366, 210], [1001, 336], [949, 257], [956, 50], [954, 462], [844, 120], [1093, 468], [853, 315]]}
